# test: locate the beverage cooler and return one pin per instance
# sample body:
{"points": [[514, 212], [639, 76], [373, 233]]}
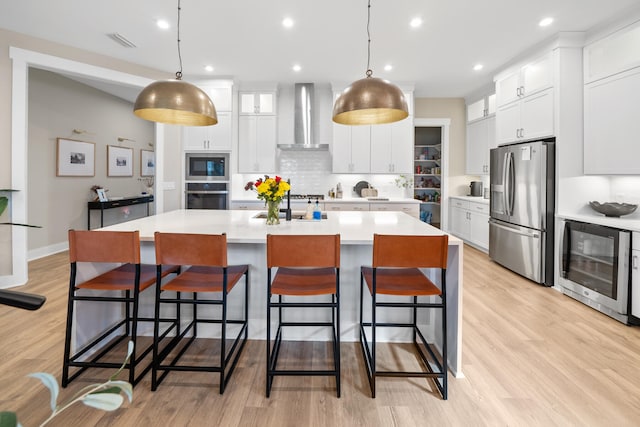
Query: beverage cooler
{"points": [[595, 267]]}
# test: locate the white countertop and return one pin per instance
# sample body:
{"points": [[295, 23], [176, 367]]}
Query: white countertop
{"points": [[628, 222], [355, 228], [472, 199]]}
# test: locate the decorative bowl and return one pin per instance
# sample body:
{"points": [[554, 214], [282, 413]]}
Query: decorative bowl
{"points": [[613, 209]]}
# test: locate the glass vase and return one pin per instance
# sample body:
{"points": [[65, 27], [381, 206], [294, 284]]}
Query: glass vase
{"points": [[273, 211]]}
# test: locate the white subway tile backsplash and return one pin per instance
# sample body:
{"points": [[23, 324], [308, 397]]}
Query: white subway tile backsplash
{"points": [[309, 171]]}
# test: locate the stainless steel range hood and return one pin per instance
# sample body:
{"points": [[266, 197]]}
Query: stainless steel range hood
{"points": [[303, 125]]}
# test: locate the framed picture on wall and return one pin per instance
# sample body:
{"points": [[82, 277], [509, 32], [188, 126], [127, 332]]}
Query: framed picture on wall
{"points": [[75, 158], [119, 161], [147, 163]]}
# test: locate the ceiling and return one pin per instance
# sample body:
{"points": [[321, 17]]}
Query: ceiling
{"points": [[244, 39]]}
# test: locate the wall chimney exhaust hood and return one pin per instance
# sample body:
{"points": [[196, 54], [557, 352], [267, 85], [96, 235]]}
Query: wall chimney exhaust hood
{"points": [[303, 125]]}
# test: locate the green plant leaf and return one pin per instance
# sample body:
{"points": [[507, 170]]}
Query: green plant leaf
{"points": [[118, 386], [126, 360], [8, 419], [104, 401], [4, 201], [50, 382]]}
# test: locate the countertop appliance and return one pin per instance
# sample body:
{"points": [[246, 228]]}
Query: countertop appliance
{"points": [[522, 206], [475, 189], [595, 267]]}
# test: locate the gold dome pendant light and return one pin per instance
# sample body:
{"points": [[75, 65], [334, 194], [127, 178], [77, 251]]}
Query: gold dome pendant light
{"points": [[174, 101], [371, 100]]}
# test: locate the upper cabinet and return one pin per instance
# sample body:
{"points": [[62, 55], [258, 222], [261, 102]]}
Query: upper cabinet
{"points": [[525, 102], [392, 147], [217, 137], [351, 148], [533, 77], [482, 108], [612, 77], [257, 144], [481, 137], [258, 103], [385, 148]]}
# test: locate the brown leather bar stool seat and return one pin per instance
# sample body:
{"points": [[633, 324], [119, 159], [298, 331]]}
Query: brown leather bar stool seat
{"points": [[131, 278], [305, 265], [396, 270], [209, 273]]}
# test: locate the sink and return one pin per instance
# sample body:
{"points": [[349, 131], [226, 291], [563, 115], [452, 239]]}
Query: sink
{"points": [[295, 215]]}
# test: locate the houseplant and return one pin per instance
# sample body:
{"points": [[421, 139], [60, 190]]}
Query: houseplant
{"points": [[272, 191]]}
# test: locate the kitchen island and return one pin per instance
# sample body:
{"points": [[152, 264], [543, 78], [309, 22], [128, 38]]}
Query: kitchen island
{"points": [[246, 238]]}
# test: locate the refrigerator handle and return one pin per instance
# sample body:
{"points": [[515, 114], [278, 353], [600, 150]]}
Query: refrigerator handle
{"points": [[505, 182], [566, 249], [511, 177]]}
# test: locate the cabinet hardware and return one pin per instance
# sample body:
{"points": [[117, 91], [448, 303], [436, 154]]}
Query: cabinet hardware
{"points": [[635, 262]]}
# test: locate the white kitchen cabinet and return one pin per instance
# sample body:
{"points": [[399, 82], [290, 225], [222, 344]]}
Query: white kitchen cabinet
{"points": [[528, 118], [470, 221], [257, 103], [613, 54], [611, 125], [527, 80], [412, 209], [346, 206], [391, 147], [481, 137], [257, 144], [351, 149], [213, 138], [482, 108]]}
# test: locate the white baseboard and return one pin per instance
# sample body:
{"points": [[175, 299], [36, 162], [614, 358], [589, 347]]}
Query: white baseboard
{"points": [[47, 250]]}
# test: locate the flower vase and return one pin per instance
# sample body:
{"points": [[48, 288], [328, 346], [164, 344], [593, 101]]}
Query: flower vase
{"points": [[273, 211]]}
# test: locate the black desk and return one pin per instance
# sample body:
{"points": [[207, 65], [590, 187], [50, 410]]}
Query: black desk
{"points": [[115, 204]]}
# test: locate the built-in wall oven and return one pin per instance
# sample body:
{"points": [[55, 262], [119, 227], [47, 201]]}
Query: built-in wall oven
{"points": [[206, 195], [595, 267]]}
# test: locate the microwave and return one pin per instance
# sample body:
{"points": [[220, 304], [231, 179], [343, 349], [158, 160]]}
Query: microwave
{"points": [[207, 166]]}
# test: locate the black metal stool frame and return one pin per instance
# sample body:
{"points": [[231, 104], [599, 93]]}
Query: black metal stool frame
{"points": [[369, 353], [272, 353], [225, 358]]}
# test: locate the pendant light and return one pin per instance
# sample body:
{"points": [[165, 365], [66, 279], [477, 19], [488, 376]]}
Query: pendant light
{"points": [[371, 100], [175, 102]]}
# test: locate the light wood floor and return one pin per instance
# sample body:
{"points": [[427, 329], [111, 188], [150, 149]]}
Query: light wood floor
{"points": [[531, 357]]}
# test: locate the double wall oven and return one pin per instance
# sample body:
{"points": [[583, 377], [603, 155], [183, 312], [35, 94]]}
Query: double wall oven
{"points": [[207, 181], [595, 267]]}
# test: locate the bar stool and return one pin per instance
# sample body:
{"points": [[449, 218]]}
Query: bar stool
{"points": [[395, 271], [130, 277], [209, 273], [306, 265]]}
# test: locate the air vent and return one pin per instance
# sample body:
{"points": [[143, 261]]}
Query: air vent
{"points": [[120, 39]]}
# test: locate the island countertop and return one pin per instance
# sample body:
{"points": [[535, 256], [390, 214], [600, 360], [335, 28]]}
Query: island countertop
{"points": [[355, 228]]}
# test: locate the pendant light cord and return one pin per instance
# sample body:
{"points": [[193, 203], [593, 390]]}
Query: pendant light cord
{"points": [[179, 73], [369, 72]]}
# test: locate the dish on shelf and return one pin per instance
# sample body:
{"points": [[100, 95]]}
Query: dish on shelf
{"points": [[613, 209]]}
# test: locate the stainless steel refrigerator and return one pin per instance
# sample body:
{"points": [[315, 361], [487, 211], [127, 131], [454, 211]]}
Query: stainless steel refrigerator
{"points": [[522, 204]]}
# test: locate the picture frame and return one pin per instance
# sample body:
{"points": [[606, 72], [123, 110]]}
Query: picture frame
{"points": [[119, 161], [75, 158], [102, 195], [147, 163]]}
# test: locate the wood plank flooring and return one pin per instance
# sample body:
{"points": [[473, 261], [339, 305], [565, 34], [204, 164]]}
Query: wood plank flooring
{"points": [[531, 357]]}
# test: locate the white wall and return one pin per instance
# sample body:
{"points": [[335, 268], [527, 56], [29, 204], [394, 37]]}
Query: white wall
{"points": [[57, 106]]}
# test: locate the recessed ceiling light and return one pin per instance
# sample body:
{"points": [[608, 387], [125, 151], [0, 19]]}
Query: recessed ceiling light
{"points": [[415, 22], [388, 67], [545, 22], [208, 68], [296, 68], [163, 24], [478, 67], [287, 22]]}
